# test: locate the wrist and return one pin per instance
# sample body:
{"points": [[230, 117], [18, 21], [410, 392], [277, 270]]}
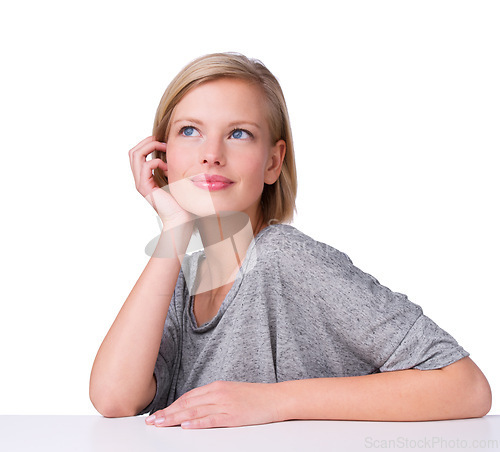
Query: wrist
{"points": [[285, 401], [180, 221], [173, 240]]}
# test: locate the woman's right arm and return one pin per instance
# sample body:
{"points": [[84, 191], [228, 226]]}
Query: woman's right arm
{"points": [[122, 381]]}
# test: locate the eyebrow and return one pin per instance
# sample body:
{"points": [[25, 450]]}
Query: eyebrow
{"points": [[231, 124]]}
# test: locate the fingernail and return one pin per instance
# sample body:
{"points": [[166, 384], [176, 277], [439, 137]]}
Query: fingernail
{"points": [[151, 418], [159, 420]]}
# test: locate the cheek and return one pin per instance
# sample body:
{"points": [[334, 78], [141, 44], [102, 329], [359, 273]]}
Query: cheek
{"points": [[178, 162], [254, 183], [256, 170], [252, 163], [257, 174]]}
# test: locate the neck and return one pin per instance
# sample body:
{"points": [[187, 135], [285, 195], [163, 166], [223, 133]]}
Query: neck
{"points": [[226, 237]]}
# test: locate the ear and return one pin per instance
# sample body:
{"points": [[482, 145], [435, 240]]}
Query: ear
{"points": [[275, 162]]}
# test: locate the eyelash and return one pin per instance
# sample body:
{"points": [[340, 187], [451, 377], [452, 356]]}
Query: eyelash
{"points": [[250, 134], [184, 128]]}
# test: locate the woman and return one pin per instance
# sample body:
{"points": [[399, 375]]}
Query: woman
{"points": [[264, 324]]}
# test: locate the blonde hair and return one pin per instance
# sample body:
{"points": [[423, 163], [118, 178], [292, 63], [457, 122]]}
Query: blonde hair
{"points": [[278, 199]]}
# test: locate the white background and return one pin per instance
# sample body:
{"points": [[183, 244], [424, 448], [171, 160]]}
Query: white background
{"points": [[395, 114]]}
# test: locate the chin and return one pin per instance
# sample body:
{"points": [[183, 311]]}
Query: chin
{"points": [[192, 199]]}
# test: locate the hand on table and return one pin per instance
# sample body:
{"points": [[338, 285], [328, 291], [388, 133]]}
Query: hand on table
{"points": [[221, 404]]}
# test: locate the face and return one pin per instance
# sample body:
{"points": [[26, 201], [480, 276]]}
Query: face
{"points": [[219, 149]]}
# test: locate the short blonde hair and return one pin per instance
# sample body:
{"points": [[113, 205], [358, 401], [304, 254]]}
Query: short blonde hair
{"points": [[278, 199]]}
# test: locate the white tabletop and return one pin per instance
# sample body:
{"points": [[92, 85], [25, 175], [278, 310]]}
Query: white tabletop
{"points": [[95, 433]]}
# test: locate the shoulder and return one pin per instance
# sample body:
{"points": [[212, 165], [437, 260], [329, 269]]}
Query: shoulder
{"points": [[285, 237], [319, 268], [292, 248]]}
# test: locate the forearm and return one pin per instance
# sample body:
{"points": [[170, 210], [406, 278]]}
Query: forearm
{"points": [[122, 374], [456, 391]]}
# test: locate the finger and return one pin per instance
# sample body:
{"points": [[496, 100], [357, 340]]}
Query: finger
{"points": [[188, 415], [196, 396], [184, 403], [142, 143], [210, 421], [204, 395], [145, 147], [146, 182], [138, 155], [137, 146], [188, 401]]}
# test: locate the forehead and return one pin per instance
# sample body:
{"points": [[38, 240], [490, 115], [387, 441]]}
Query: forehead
{"points": [[224, 98]]}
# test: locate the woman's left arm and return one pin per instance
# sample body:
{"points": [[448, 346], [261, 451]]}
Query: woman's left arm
{"points": [[457, 391]]}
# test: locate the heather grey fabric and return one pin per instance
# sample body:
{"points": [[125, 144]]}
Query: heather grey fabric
{"points": [[298, 309]]}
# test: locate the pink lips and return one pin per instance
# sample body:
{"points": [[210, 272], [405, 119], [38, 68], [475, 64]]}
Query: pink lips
{"points": [[211, 182]]}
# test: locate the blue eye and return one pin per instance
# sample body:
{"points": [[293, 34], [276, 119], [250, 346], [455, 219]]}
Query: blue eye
{"points": [[240, 134], [189, 131]]}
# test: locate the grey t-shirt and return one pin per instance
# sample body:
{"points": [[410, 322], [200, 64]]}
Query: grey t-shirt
{"points": [[297, 309]]}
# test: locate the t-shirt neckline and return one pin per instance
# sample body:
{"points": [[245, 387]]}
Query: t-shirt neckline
{"points": [[249, 258]]}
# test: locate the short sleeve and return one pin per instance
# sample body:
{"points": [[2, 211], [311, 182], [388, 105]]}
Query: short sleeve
{"points": [[166, 360], [426, 346], [368, 325], [387, 328]]}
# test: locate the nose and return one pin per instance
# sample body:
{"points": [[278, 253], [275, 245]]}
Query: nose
{"points": [[212, 153]]}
